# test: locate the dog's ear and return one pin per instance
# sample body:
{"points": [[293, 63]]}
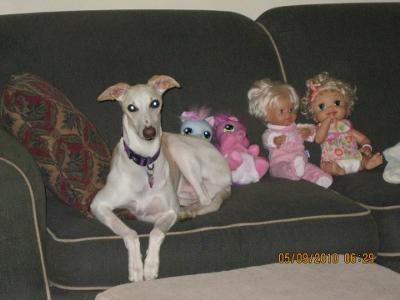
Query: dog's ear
{"points": [[161, 83], [114, 92]]}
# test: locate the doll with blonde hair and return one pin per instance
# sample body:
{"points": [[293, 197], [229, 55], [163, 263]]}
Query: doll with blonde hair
{"points": [[344, 149], [276, 104]]}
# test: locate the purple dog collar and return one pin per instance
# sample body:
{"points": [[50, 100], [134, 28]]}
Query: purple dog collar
{"points": [[138, 159]]}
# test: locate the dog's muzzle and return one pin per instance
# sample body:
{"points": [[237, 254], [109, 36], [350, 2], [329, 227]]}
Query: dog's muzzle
{"points": [[149, 133]]}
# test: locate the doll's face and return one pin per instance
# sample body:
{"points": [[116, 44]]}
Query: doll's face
{"points": [[282, 112], [330, 104]]}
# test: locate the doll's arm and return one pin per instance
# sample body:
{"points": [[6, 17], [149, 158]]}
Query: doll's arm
{"points": [[307, 131], [363, 141], [322, 131], [269, 139]]}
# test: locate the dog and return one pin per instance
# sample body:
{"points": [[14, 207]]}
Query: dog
{"points": [[146, 169]]}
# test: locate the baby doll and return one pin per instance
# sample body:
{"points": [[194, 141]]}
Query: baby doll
{"points": [[276, 104], [344, 150]]}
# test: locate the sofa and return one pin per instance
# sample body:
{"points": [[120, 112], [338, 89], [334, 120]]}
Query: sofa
{"points": [[50, 250]]}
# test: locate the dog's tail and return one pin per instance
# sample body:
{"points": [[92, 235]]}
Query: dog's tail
{"points": [[186, 213]]}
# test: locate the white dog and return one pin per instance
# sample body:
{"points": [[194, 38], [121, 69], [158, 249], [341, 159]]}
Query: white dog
{"points": [[146, 169]]}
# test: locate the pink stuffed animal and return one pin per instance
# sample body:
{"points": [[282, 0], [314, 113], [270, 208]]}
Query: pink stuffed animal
{"points": [[243, 159]]}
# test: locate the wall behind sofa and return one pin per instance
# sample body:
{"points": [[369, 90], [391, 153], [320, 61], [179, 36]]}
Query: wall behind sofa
{"points": [[250, 8]]}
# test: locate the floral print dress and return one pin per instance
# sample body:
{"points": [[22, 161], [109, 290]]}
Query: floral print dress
{"points": [[340, 143]]}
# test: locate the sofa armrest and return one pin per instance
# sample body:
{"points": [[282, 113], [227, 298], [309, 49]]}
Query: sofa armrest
{"points": [[22, 223]]}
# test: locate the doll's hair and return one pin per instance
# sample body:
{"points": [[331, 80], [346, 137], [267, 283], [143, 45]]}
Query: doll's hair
{"points": [[265, 93], [323, 82]]}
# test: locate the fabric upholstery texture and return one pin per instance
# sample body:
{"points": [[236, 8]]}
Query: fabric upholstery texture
{"points": [[352, 43], [274, 281], [248, 230], [72, 156], [21, 272], [215, 56]]}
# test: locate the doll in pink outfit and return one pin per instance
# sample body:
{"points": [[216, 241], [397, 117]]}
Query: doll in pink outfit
{"points": [[344, 149], [276, 104]]}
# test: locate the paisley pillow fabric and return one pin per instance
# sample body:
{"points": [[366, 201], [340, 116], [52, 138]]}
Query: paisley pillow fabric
{"points": [[73, 158]]}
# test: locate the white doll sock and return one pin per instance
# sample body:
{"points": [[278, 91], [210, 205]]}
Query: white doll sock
{"points": [[299, 166], [324, 181], [391, 173]]}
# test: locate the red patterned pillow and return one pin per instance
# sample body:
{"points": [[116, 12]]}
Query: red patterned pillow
{"points": [[73, 158]]}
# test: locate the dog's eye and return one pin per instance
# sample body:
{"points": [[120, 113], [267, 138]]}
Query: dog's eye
{"points": [[229, 128], [155, 104], [207, 135], [132, 108], [187, 130]]}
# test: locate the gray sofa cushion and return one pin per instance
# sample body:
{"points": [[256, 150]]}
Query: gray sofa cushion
{"points": [[215, 56], [252, 228], [358, 43], [22, 208]]}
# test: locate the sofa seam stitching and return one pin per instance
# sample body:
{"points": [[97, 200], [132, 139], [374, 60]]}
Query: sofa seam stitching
{"points": [[277, 53], [371, 207], [211, 228]]}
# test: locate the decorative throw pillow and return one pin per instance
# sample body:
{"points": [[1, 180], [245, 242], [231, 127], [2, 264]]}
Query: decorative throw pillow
{"points": [[73, 158]]}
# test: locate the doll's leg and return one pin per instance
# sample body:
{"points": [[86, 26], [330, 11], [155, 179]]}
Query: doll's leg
{"points": [[284, 170], [234, 160], [332, 168], [299, 165], [371, 162], [315, 175]]}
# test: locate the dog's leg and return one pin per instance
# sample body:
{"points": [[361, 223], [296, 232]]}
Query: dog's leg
{"points": [[215, 203], [105, 215], [157, 235]]}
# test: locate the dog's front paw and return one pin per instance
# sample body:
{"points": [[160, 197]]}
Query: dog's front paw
{"points": [[135, 263], [151, 269], [136, 274]]}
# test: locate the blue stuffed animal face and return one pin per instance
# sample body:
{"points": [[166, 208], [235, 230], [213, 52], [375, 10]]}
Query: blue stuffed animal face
{"points": [[199, 128]]}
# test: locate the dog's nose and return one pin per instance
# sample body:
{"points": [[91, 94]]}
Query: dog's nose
{"points": [[149, 133]]}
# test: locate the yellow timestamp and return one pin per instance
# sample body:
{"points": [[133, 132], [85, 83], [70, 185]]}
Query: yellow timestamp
{"points": [[325, 258]]}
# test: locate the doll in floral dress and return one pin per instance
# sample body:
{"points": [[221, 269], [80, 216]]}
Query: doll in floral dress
{"points": [[344, 149]]}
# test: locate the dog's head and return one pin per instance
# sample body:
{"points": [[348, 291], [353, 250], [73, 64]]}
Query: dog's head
{"points": [[141, 104]]}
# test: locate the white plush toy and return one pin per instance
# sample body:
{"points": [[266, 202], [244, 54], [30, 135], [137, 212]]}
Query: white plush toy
{"points": [[391, 173]]}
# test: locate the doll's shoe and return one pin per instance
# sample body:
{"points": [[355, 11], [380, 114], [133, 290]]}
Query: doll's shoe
{"points": [[324, 181], [299, 166]]}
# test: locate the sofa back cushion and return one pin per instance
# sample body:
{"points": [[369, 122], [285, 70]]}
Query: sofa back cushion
{"points": [[358, 43], [215, 56]]}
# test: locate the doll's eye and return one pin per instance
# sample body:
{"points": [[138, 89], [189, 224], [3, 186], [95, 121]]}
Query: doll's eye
{"points": [[132, 108], [337, 102], [207, 135], [187, 130], [229, 128], [321, 106], [155, 103]]}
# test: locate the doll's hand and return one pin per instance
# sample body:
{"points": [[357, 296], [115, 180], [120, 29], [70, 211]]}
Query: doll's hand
{"points": [[279, 140], [305, 132], [328, 121]]}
